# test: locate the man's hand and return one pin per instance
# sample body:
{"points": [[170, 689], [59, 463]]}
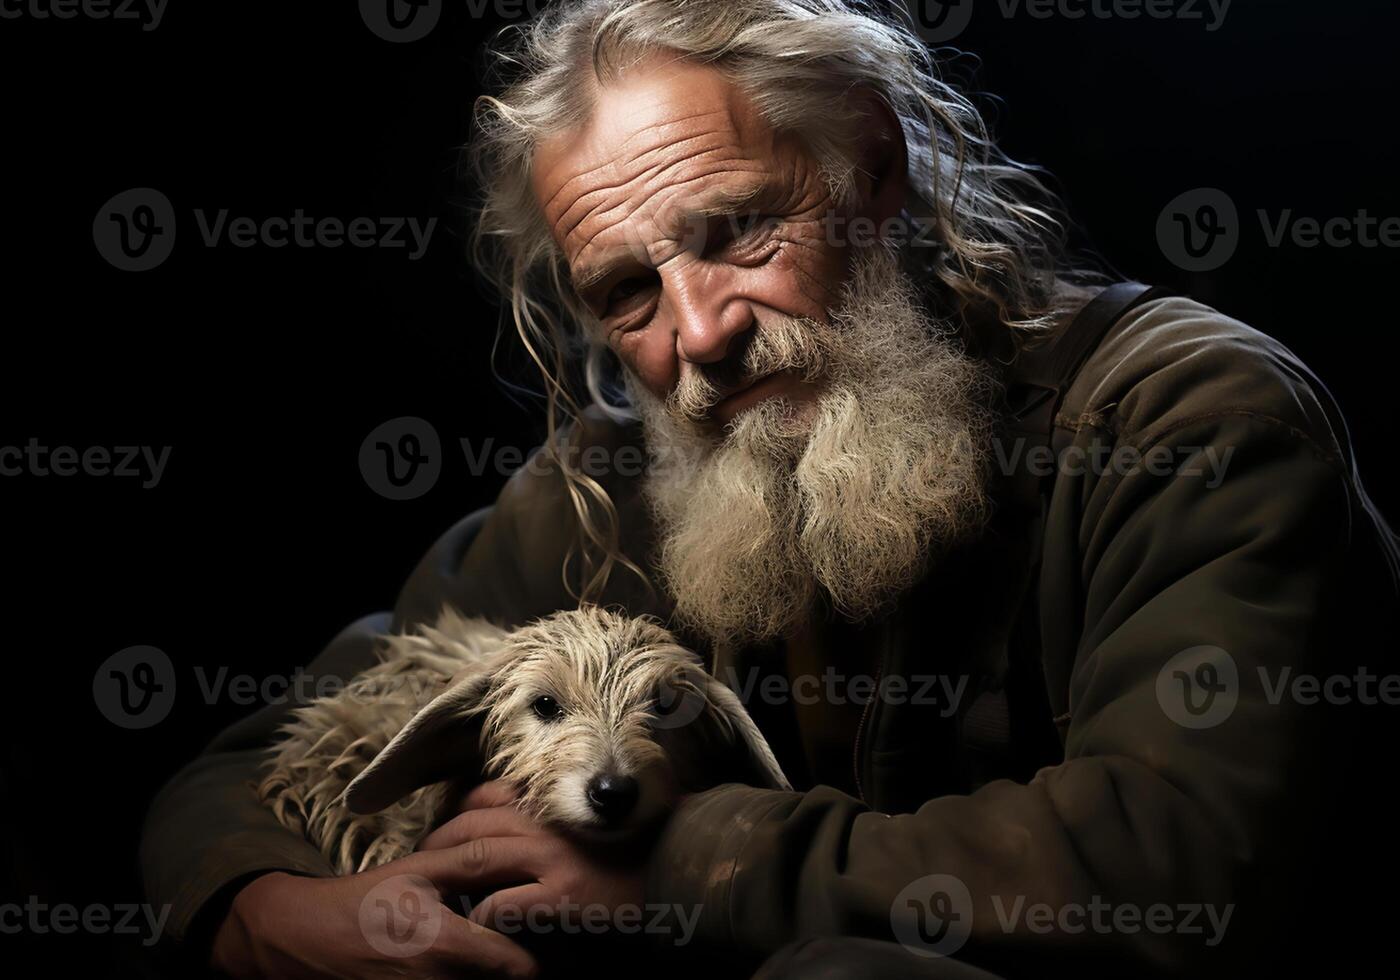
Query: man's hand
{"points": [[548, 874], [388, 922], [400, 918]]}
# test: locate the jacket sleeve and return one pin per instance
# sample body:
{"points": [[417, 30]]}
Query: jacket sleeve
{"points": [[206, 830], [1144, 810]]}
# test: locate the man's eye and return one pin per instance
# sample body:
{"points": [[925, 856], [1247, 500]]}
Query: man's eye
{"points": [[546, 707], [627, 289], [740, 235]]}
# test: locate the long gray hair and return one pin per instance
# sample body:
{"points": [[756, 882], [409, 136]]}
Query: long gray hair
{"points": [[998, 238]]}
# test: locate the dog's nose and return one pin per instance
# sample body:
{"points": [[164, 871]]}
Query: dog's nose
{"points": [[612, 797]]}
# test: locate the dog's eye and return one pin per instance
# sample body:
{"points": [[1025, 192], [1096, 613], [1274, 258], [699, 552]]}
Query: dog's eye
{"points": [[546, 707]]}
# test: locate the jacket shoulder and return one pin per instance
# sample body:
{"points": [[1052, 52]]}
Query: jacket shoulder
{"points": [[1173, 361], [597, 446], [526, 561]]}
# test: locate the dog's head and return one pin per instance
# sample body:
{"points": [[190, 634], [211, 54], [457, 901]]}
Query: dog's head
{"points": [[601, 721]]}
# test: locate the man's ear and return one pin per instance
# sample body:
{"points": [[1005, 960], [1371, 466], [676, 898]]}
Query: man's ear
{"points": [[882, 170], [442, 741]]}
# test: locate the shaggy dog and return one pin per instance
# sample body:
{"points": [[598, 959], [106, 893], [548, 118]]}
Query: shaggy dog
{"points": [[600, 720]]}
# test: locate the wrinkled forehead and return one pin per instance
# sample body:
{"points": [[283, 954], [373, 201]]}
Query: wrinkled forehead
{"points": [[665, 142]]}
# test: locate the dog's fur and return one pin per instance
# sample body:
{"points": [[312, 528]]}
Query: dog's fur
{"points": [[366, 773]]}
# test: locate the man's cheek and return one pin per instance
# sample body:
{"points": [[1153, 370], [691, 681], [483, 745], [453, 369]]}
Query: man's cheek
{"points": [[649, 355]]}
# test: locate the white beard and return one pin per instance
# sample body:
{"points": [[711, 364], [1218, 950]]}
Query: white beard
{"points": [[847, 498]]}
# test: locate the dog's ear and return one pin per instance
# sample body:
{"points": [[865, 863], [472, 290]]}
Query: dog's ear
{"points": [[442, 741], [739, 752]]}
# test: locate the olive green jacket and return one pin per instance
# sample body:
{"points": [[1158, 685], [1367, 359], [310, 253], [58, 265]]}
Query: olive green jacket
{"points": [[1062, 778]]}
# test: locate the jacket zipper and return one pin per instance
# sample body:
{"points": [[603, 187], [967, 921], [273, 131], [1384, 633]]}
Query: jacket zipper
{"points": [[866, 712]]}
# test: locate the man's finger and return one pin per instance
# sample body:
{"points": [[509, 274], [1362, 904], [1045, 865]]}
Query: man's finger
{"points": [[482, 863], [479, 951], [513, 905], [501, 821], [495, 792]]}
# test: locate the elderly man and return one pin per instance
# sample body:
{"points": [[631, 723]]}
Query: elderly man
{"points": [[1056, 553]]}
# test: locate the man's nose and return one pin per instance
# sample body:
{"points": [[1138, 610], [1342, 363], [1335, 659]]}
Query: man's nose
{"points": [[709, 319]]}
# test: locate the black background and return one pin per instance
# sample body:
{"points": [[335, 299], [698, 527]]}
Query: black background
{"points": [[264, 369]]}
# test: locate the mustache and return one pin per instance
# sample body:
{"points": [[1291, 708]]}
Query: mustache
{"points": [[784, 344]]}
